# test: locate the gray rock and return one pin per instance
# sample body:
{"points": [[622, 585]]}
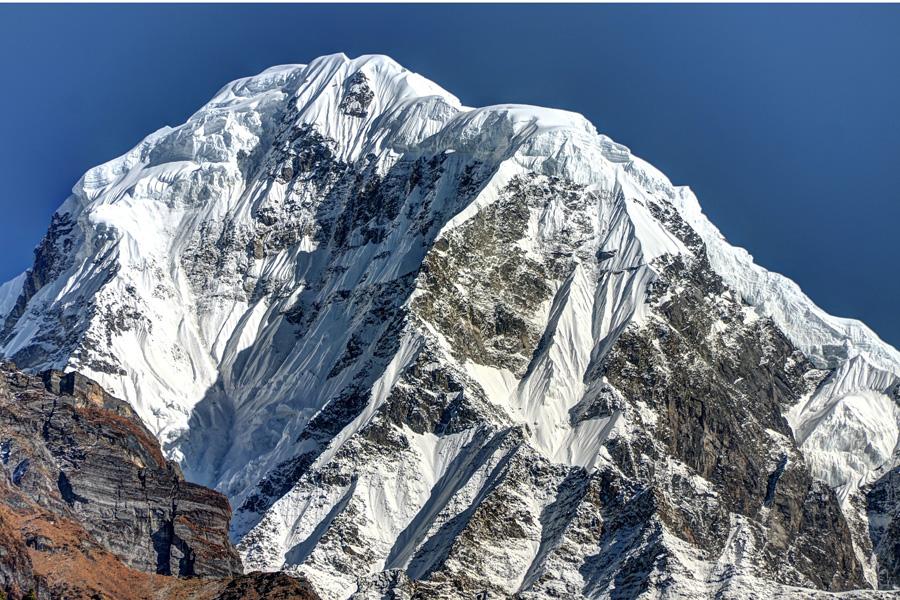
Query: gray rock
{"points": [[74, 450]]}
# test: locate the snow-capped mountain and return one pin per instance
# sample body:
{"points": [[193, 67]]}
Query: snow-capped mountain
{"points": [[431, 349]]}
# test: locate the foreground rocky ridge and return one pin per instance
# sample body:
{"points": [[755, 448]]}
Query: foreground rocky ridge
{"points": [[435, 351], [89, 506]]}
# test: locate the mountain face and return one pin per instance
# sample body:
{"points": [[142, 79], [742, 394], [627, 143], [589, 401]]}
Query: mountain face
{"points": [[442, 352], [90, 508]]}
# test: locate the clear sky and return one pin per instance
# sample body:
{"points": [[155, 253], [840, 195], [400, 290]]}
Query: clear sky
{"points": [[784, 119]]}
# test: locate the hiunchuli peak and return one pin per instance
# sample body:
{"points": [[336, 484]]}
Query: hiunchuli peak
{"points": [[449, 351]]}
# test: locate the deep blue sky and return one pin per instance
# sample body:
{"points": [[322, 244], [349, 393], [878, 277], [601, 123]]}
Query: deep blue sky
{"points": [[785, 120]]}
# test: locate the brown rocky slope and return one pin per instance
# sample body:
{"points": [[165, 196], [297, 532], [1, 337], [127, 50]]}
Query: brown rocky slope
{"points": [[90, 508]]}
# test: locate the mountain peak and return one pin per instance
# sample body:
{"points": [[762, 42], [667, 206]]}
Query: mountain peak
{"points": [[376, 319]]}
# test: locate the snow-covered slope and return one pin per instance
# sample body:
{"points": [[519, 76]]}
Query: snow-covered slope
{"points": [[418, 343]]}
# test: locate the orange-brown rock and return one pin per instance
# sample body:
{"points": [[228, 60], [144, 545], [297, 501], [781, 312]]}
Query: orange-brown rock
{"points": [[90, 508]]}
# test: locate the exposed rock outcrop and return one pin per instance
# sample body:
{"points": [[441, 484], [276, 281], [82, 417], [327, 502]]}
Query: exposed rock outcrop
{"points": [[89, 507], [883, 511], [73, 449]]}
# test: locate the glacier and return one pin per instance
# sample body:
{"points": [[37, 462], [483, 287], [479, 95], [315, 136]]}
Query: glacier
{"points": [[379, 321]]}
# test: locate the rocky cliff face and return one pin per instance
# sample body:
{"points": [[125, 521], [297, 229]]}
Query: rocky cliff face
{"points": [[435, 351], [89, 503], [74, 449]]}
